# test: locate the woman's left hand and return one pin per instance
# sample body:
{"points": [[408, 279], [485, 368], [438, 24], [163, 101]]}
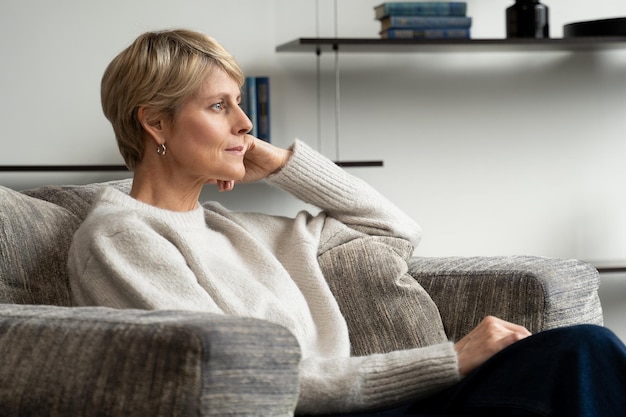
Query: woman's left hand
{"points": [[488, 338], [261, 159]]}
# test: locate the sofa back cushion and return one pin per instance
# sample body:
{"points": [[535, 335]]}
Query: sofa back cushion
{"points": [[386, 308], [77, 199], [36, 230], [34, 240]]}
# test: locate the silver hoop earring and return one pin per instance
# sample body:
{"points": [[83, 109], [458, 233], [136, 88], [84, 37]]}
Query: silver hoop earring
{"points": [[161, 149]]}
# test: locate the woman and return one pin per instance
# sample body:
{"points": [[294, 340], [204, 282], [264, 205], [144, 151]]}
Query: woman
{"points": [[173, 100]]}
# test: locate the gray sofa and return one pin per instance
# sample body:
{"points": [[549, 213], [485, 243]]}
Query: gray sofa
{"points": [[59, 360]]}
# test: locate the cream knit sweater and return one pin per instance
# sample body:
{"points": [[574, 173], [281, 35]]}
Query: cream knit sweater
{"points": [[128, 254]]}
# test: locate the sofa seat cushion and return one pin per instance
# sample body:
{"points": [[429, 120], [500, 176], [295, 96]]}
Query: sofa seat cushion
{"points": [[386, 308], [35, 236]]}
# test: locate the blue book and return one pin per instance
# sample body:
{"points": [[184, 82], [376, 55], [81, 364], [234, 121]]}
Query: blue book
{"points": [[425, 22], [263, 108], [421, 8], [244, 96], [437, 33], [249, 102]]}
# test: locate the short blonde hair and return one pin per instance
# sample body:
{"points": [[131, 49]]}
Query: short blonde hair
{"points": [[159, 70]]}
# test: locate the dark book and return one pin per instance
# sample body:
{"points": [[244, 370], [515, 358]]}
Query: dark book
{"points": [[439, 33], [421, 8], [425, 22], [263, 108], [249, 102]]}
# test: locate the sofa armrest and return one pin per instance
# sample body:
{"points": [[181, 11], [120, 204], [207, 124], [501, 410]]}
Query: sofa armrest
{"points": [[61, 361], [538, 293]]}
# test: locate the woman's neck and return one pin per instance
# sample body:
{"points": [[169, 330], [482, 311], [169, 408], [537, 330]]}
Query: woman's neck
{"points": [[165, 191]]}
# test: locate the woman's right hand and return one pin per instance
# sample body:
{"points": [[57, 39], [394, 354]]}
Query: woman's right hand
{"points": [[262, 159], [488, 338]]}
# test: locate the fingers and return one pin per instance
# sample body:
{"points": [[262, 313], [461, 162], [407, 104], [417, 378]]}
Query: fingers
{"points": [[250, 142], [516, 328], [260, 160], [485, 340], [494, 324], [225, 185]]}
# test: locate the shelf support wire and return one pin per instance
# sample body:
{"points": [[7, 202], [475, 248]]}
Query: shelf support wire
{"points": [[337, 100], [318, 70], [337, 82], [318, 77]]}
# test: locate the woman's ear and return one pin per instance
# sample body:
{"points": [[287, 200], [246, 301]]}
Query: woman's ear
{"points": [[152, 125]]}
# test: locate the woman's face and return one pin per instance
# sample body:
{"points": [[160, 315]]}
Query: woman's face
{"points": [[206, 139]]}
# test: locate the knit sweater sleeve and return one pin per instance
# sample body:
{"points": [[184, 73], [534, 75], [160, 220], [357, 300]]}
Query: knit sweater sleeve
{"points": [[349, 384], [316, 180], [364, 383]]}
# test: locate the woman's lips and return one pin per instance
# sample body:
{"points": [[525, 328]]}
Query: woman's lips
{"points": [[237, 150]]}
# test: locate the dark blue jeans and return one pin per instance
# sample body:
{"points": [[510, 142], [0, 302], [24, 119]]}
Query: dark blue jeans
{"points": [[567, 372]]}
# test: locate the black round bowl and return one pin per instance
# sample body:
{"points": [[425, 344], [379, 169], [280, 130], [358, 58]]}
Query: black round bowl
{"points": [[596, 28]]}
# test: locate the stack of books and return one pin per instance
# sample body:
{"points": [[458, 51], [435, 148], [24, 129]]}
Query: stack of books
{"points": [[255, 102], [424, 20]]}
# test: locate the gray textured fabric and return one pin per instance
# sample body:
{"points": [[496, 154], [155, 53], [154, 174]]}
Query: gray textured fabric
{"points": [[36, 229], [77, 199], [59, 361], [536, 292], [385, 308], [34, 239]]}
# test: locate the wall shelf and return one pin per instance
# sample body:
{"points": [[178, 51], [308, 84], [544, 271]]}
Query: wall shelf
{"points": [[118, 168], [616, 266], [62, 168], [375, 45], [359, 164]]}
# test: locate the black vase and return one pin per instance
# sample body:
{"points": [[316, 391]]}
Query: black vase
{"points": [[527, 19]]}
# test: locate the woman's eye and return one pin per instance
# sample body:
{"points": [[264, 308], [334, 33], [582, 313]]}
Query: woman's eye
{"points": [[218, 106]]}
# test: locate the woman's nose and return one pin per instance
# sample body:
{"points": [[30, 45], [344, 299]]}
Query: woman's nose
{"points": [[244, 124]]}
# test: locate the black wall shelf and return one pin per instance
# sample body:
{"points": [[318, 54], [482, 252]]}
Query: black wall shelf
{"points": [[62, 168], [372, 45], [607, 267], [359, 164], [118, 168]]}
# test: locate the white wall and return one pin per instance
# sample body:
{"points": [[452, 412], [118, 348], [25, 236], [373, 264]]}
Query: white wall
{"points": [[493, 153]]}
